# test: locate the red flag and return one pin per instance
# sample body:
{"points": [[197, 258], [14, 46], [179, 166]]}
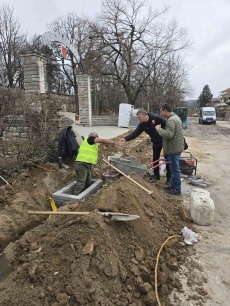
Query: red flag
{"points": [[63, 51]]}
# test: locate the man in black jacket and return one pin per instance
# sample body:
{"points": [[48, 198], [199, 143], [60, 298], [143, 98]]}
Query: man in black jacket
{"points": [[147, 124]]}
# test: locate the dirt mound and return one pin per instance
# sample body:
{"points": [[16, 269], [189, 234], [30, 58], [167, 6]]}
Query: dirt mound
{"points": [[28, 191], [89, 260]]}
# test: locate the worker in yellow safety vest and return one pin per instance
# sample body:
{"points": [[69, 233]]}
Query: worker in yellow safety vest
{"points": [[87, 156]]}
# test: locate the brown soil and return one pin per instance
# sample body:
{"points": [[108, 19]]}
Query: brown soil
{"points": [[90, 260]]}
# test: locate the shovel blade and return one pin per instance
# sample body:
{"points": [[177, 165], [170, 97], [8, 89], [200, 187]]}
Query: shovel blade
{"points": [[116, 217]]}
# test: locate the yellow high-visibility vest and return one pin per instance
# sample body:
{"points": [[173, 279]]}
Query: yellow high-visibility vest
{"points": [[87, 153]]}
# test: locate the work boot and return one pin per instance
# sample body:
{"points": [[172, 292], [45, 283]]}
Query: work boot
{"points": [[167, 188], [174, 192], [153, 178]]}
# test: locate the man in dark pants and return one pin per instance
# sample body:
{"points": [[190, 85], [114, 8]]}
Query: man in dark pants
{"points": [[147, 124]]}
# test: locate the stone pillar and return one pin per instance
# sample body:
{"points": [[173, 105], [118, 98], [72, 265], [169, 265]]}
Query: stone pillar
{"points": [[84, 98], [34, 68]]}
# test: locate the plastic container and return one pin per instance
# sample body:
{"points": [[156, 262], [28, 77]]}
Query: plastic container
{"points": [[162, 167], [111, 177], [200, 192], [202, 210]]}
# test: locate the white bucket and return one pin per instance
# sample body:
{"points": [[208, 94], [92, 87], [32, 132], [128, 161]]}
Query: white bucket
{"points": [[162, 167], [202, 210], [200, 192]]}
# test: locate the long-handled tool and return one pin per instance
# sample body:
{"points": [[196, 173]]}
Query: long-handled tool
{"points": [[128, 177], [111, 215]]}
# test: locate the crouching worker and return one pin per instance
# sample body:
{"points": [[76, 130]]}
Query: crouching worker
{"points": [[87, 156]]}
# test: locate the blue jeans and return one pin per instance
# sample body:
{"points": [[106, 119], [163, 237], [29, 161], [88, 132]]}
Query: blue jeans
{"points": [[175, 171]]}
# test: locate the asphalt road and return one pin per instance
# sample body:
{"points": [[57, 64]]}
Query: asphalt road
{"points": [[211, 146]]}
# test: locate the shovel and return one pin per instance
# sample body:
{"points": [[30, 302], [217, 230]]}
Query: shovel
{"points": [[110, 215], [128, 177]]}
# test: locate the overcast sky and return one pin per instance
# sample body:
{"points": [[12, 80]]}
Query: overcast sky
{"points": [[207, 23]]}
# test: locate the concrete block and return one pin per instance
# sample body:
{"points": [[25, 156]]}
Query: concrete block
{"points": [[128, 165], [66, 194]]}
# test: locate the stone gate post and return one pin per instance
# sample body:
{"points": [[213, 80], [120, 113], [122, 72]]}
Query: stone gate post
{"points": [[84, 97], [34, 68]]}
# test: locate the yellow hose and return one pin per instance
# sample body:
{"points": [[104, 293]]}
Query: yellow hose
{"points": [[156, 266]]}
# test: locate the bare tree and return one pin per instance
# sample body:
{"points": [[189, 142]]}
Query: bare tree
{"points": [[131, 43], [170, 81], [54, 73], [76, 30], [12, 42], [106, 92], [28, 129]]}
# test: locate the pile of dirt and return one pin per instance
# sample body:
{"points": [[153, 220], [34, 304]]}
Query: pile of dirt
{"points": [[28, 191], [89, 259]]}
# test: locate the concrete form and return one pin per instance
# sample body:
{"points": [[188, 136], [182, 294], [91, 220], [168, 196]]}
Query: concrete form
{"points": [[66, 194], [128, 165]]}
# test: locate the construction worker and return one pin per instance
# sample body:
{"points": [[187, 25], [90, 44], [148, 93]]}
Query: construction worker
{"points": [[148, 122], [87, 156]]}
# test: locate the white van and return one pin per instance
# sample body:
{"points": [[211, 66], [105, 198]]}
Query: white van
{"points": [[207, 115]]}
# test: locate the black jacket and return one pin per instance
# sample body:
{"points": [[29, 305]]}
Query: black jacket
{"points": [[67, 144], [149, 128]]}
